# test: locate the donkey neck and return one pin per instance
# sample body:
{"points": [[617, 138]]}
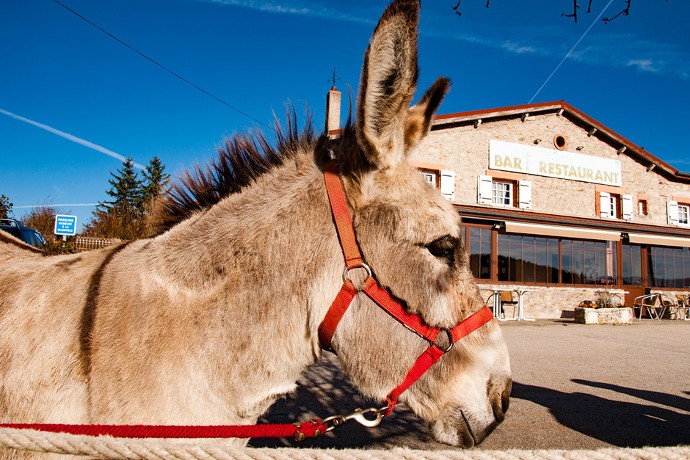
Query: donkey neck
{"points": [[274, 243]]}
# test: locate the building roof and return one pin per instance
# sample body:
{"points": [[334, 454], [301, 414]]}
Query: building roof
{"points": [[562, 108]]}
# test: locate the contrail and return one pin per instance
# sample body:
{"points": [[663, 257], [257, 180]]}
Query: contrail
{"points": [[570, 52], [70, 137]]}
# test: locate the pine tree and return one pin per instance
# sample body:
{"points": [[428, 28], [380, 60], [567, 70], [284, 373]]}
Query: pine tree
{"points": [[155, 181], [128, 215], [126, 191], [5, 207], [123, 216]]}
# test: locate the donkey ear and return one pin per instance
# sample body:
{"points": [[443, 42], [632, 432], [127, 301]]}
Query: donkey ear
{"points": [[389, 79], [418, 122]]}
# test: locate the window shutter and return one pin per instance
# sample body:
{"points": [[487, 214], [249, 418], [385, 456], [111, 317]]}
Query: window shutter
{"points": [[448, 184], [627, 206], [484, 190], [525, 194], [604, 204], [672, 209]]}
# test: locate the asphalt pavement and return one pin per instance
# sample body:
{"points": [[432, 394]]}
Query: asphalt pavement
{"points": [[575, 386]]}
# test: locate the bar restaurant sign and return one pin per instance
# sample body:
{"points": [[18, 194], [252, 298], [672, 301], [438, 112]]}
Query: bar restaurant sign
{"points": [[506, 156]]}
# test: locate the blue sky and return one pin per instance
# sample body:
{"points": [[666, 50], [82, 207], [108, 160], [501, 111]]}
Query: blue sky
{"points": [[73, 100]]}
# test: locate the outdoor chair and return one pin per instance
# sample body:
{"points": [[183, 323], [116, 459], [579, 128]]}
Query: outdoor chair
{"points": [[507, 299], [681, 310], [491, 303], [667, 303], [653, 304]]}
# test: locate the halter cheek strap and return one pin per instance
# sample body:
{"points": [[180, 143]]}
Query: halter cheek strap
{"points": [[370, 287]]}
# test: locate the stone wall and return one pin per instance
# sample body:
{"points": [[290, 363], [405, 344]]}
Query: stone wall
{"points": [[465, 150], [543, 302]]}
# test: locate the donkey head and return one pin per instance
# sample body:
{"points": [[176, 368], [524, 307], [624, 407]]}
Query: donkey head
{"points": [[410, 237]]}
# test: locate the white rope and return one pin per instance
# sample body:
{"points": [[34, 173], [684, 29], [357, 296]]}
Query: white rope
{"points": [[120, 448]]}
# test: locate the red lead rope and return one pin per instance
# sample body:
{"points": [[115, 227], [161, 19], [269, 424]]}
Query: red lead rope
{"points": [[316, 427], [311, 428]]}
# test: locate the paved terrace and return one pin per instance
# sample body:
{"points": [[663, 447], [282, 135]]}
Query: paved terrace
{"points": [[575, 387]]}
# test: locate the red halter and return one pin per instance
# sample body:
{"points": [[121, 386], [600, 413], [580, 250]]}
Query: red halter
{"points": [[353, 259]]}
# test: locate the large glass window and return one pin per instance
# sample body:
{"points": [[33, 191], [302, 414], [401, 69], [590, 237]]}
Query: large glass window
{"points": [[534, 259], [668, 267], [480, 252], [529, 259], [589, 262], [632, 264]]}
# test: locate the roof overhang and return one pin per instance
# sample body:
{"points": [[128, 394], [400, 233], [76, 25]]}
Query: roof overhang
{"points": [[566, 232], [660, 240]]}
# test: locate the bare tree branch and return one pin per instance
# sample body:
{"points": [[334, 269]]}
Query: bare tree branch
{"points": [[625, 12], [574, 15], [576, 6], [456, 8]]}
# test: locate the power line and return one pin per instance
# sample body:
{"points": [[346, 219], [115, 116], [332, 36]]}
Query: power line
{"points": [[570, 52], [153, 61], [66, 205]]}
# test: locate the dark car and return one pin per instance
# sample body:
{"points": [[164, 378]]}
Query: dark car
{"points": [[27, 234]]}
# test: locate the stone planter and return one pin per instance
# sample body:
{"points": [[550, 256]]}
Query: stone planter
{"points": [[622, 315]]}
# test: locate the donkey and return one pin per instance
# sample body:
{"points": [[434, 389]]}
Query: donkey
{"points": [[212, 320]]}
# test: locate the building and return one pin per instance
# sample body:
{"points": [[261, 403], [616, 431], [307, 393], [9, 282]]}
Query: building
{"points": [[555, 202]]}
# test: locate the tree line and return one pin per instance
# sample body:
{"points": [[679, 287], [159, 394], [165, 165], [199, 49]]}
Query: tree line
{"points": [[127, 214]]}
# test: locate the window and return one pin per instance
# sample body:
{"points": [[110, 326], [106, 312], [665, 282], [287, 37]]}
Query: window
{"points": [[527, 258], [480, 252], [440, 178], [502, 192], [609, 205], [632, 264], [615, 206], [551, 260], [683, 212], [429, 177], [678, 213], [668, 267], [642, 209], [588, 262]]}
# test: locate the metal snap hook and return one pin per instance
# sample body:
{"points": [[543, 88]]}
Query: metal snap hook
{"points": [[359, 416]]}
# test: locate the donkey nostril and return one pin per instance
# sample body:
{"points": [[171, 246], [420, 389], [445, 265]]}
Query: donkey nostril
{"points": [[505, 401], [498, 409], [501, 401], [505, 396]]}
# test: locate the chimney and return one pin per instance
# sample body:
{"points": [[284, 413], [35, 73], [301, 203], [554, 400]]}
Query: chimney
{"points": [[333, 111]]}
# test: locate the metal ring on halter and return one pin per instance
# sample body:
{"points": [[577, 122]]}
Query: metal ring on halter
{"points": [[450, 341], [364, 266]]}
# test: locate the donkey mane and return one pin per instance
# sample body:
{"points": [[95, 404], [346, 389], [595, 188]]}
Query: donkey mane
{"points": [[241, 160]]}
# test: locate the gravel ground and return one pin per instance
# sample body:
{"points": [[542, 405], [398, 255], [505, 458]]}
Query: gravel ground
{"points": [[575, 387]]}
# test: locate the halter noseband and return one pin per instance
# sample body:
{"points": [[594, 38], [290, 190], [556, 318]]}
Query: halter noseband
{"points": [[348, 291]]}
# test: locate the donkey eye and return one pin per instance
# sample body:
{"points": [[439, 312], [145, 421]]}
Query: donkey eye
{"points": [[444, 248]]}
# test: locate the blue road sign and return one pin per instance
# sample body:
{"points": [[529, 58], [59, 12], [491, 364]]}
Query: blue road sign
{"points": [[65, 225]]}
